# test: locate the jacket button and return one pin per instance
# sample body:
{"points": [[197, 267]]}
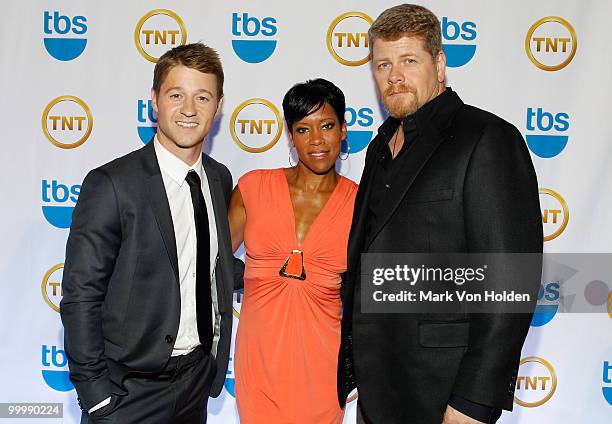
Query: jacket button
{"points": [[169, 338]]}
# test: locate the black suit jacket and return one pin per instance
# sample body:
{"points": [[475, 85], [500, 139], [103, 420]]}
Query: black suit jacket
{"points": [[121, 296], [468, 185]]}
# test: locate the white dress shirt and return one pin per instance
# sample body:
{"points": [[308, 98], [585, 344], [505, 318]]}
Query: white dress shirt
{"points": [[174, 171]]}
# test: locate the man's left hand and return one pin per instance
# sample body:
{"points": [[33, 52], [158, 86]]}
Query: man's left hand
{"points": [[452, 416]]}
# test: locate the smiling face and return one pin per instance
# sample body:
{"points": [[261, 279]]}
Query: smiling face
{"points": [[186, 105], [317, 138], [406, 75]]}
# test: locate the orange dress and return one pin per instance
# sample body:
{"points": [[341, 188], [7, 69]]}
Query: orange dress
{"points": [[288, 337]]}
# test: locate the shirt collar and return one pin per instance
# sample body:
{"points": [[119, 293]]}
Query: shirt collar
{"points": [[173, 166], [439, 111]]}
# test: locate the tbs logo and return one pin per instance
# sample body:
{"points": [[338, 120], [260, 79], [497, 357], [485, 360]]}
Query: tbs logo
{"points": [[607, 381], [60, 32], [347, 38], [254, 44], [551, 43], [458, 44], [158, 31], [548, 303], [230, 380], [67, 122], [536, 382], [359, 123], [147, 121], [54, 362], [58, 202], [256, 125], [541, 124]]}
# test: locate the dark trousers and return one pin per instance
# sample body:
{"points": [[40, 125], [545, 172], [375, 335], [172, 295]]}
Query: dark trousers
{"points": [[363, 419], [178, 395]]}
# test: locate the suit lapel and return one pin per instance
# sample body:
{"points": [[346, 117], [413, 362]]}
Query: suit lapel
{"points": [[220, 212], [418, 155], [158, 200]]}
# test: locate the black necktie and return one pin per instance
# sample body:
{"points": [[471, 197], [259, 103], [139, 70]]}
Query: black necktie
{"points": [[203, 295]]}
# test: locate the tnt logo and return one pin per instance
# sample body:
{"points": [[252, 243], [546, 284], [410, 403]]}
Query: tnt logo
{"points": [[237, 304], [607, 381], [555, 213], [546, 138], [58, 202], [157, 32], [458, 44], [147, 120], [252, 42], [347, 38], [536, 382], [609, 304], [548, 303], [60, 31], [359, 123], [551, 43], [52, 286], [54, 363], [256, 125], [67, 122]]}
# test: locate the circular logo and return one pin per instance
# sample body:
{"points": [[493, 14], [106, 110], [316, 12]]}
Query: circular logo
{"points": [[347, 38], [67, 122], [551, 43], [555, 213], [52, 286], [609, 304], [256, 125], [158, 31], [536, 382]]}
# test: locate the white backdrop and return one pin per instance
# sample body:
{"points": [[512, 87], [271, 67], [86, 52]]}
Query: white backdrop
{"points": [[100, 53]]}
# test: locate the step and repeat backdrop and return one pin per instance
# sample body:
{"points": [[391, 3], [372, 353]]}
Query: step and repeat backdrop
{"points": [[75, 85]]}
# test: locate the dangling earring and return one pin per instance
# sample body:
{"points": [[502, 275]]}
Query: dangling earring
{"points": [[291, 164], [348, 151]]}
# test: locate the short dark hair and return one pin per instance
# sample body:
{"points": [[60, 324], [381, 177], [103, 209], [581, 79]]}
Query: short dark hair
{"points": [[304, 98], [196, 56], [409, 20]]}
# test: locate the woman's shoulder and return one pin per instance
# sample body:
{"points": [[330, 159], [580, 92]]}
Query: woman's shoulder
{"points": [[351, 186], [258, 175]]}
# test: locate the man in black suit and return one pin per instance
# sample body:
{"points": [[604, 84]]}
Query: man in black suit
{"points": [[440, 176], [149, 272]]}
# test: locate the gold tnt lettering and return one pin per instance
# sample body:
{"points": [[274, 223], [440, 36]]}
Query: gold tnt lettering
{"points": [[531, 383], [256, 126], [553, 212], [551, 44], [160, 37], [54, 288], [352, 39], [67, 122]]}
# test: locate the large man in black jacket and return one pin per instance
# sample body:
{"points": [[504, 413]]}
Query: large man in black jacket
{"points": [[149, 271], [440, 176]]}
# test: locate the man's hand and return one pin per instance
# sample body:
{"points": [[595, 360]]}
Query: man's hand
{"points": [[452, 416]]}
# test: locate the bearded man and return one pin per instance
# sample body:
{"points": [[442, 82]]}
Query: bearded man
{"points": [[440, 177]]}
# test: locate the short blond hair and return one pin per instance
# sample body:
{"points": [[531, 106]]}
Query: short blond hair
{"points": [[408, 20]]}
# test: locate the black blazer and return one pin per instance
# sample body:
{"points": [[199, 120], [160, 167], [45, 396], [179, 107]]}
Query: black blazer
{"points": [[468, 185], [121, 296]]}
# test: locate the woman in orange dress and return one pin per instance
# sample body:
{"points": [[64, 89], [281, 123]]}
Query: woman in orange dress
{"points": [[295, 224]]}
